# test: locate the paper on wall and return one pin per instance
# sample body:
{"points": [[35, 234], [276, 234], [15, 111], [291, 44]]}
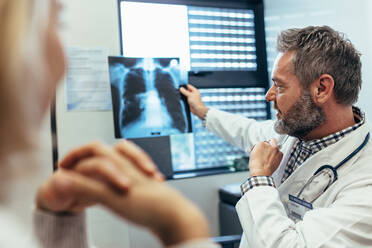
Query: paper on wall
{"points": [[87, 80]]}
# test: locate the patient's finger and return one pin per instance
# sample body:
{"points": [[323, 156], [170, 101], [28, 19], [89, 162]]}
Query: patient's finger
{"points": [[86, 151], [66, 190], [86, 190], [100, 150], [141, 159], [104, 170]]}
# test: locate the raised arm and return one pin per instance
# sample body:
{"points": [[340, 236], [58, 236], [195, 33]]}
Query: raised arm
{"points": [[238, 130]]}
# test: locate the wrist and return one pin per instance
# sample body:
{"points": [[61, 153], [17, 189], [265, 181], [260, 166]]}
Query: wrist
{"points": [[44, 208], [190, 227], [203, 113], [259, 167], [182, 221], [51, 202], [40, 206], [259, 172], [58, 213]]}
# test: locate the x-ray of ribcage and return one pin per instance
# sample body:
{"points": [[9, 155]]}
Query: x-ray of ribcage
{"points": [[145, 96]]}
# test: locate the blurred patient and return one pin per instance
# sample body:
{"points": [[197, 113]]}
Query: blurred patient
{"points": [[122, 178]]}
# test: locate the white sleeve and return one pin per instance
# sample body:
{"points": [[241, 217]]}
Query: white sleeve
{"points": [[238, 130], [346, 223], [200, 243]]}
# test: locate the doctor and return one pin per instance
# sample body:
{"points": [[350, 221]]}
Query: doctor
{"points": [[316, 191]]}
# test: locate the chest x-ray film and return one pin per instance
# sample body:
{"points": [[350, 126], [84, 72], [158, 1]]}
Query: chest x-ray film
{"points": [[145, 96]]}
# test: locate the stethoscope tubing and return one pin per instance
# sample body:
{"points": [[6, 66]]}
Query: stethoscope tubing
{"points": [[334, 169], [355, 152], [366, 139]]}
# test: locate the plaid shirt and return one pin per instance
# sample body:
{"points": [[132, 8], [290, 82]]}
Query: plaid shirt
{"points": [[302, 150]]}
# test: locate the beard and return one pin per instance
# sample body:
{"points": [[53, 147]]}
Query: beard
{"points": [[303, 117]]}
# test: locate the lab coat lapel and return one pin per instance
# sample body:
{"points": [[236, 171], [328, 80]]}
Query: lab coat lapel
{"points": [[331, 155], [293, 184], [278, 174]]}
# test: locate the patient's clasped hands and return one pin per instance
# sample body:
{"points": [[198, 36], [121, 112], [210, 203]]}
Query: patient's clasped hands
{"points": [[124, 179]]}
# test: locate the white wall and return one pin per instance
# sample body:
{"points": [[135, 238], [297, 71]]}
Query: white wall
{"points": [[91, 24], [350, 17]]}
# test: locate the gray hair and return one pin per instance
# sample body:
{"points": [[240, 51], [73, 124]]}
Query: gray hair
{"points": [[322, 50]]}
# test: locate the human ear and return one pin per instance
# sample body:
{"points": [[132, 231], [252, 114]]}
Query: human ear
{"points": [[322, 89]]}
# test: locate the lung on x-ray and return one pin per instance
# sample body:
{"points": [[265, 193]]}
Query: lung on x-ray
{"points": [[145, 96]]}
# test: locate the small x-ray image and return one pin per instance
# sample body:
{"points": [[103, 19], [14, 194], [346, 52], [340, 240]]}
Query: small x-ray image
{"points": [[145, 96], [182, 151]]}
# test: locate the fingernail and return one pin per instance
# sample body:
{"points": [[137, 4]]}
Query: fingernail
{"points": [[159, 177], [149, 168], [125, 182]]}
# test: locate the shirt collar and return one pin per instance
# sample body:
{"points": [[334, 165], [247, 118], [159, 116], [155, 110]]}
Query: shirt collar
{"points": [[319, 144]]}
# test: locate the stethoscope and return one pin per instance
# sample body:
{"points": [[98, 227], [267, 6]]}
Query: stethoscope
{"points": [[319, 179]]}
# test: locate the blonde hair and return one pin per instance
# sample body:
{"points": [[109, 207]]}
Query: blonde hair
{"points": [[23, 27]]}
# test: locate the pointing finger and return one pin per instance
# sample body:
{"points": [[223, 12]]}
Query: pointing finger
{"points": [[184, 91], [191, 88]]}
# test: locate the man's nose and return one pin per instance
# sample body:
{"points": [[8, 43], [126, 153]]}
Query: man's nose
{"points": [[270, 95]]}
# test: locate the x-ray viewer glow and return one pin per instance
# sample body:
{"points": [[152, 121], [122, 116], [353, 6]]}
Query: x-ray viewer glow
{"points": [[145, 97]]}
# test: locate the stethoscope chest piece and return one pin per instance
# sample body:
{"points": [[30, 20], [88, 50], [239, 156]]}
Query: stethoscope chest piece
{"points": [[324, 177]]}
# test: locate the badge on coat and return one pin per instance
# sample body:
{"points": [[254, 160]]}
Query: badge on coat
{"points": [[297, 208]]}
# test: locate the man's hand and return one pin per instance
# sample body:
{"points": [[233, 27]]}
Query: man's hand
{"points": [[264, 158], [197, 107]]}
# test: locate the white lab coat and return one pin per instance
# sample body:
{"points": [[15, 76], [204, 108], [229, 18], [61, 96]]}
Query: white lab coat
{"points": [[342, 216]]}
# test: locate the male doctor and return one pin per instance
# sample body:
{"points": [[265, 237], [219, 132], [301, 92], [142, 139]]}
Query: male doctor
{"points": [[310, 179]]}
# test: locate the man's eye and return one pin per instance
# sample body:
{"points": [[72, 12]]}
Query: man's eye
{"points": [[279, 88]]}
